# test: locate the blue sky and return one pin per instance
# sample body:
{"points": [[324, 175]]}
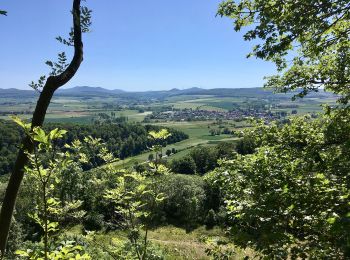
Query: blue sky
{"points": [[134, 45]]}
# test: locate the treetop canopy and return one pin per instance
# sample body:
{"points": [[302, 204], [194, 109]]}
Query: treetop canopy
{"points": [[315, 33]]}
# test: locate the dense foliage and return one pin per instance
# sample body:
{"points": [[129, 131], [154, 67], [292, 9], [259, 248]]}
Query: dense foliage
{"points": [[122, 139], [291, 196], [10, 137], [57, 193], [308, 40], [185, 200], [201, 160], [184, 165], [288, 194]]}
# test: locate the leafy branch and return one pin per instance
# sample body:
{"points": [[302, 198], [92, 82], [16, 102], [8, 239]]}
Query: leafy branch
{"points": [[61, 64]]}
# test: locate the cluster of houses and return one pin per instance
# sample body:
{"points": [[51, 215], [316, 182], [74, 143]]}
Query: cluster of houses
{"points": [[203, 115], [8, 113]]}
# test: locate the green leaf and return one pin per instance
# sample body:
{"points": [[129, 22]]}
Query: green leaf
{"points": [[320, 176], [40, 136], [56, 134], [331, 220], [18, 121], [52, 226], [21, 253]]}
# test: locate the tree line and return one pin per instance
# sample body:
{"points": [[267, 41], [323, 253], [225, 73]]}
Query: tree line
{"points": [[122, 139]]}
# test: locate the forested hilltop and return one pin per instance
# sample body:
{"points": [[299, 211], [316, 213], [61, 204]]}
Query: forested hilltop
{"points": [[90, 173]]}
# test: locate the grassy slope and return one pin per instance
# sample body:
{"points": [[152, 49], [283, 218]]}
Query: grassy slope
{"points": [[175, 243], [181, 245], [198, 135]]}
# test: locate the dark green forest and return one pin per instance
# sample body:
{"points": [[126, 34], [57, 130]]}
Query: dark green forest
{"points": [[122, 139]]}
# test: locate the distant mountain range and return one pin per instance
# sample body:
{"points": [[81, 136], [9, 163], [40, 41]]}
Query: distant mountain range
{"points": [[98, 90], [17, 93], [86, 91]]}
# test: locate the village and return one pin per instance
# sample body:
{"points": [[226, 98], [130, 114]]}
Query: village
{"points": [[205, 115]]}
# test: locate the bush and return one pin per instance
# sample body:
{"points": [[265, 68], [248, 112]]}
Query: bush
{"points": [[246, 145], [151, 157], [185, 200], [205, 159], [210, 220], [184, 165], [139, 167], [15, 239], [93, 221]]}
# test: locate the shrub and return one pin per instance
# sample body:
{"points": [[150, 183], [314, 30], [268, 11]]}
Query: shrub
{"points": [[205, 159], [210, 220], [185, 200], [184, 165], [246, 145], [93, 221]]}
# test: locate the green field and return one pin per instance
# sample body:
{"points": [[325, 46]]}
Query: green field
{"points": [[70, 109], [198, 135], [85, 110], [212, 103]]}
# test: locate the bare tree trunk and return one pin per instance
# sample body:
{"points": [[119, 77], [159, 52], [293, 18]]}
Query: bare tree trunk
{"points": [[51, 85]]}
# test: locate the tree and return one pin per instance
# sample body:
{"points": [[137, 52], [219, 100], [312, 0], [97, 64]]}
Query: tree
{"points": [[158, 138], [225, 149], [245, 145], [135, 198], [315, 32], [289, 199], [185, 200], [168, 152], [150, 157], [205, 159], [44, 171], [226, 131], [60, 75], [184, 165]]}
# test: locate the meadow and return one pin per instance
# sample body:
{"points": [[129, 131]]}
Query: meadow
{"points": [[198, 136]]}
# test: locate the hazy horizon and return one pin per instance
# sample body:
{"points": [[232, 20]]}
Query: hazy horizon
{"points": [[141, 90]]}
